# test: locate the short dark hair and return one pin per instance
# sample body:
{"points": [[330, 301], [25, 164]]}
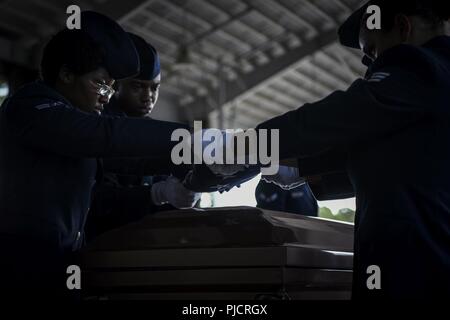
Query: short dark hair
{"points": [[74, 49]]}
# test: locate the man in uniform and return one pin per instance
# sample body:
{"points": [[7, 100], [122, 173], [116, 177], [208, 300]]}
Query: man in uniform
{"points": [[51, 135], [121, 199], [394, 129]]}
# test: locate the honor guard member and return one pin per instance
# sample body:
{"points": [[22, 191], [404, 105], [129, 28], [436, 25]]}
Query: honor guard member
{"points": [[394, 128], [121, 199], [51, 134]]}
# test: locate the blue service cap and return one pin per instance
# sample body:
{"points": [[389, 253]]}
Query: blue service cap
{"points": [[149, 58], [350, 29], [121, 58]]}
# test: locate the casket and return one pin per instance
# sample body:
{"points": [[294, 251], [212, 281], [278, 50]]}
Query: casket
{"points": [[226, 253]]}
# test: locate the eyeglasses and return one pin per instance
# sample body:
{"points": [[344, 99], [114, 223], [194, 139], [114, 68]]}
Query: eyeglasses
{"points": [[104, 90]]}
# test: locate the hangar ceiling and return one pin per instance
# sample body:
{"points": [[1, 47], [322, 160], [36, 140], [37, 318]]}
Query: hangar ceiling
{"points": [[234, 62]]}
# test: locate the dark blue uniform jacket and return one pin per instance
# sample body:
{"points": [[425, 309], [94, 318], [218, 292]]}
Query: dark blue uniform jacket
{"points": [[48, 162], [395, 128], [119, 199]]}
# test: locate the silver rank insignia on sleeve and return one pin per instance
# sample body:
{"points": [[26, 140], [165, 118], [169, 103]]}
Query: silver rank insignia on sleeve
{"points": [[378, 76]]}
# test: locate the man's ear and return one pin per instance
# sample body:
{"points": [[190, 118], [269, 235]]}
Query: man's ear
{"points": [[404, 25], [65, 75]]}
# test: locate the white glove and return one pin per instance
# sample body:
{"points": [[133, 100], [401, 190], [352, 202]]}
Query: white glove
{"points": [[221, 149], [173, 192], [287, 178]]}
